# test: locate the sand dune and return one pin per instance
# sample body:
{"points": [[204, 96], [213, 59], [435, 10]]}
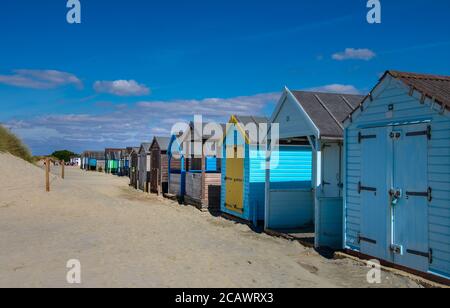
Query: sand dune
{"points": [[125, 238]]}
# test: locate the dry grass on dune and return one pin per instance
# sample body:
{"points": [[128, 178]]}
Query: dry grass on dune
{"points": [[11, 144]]}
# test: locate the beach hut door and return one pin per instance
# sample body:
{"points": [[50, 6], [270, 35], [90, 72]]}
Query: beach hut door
{"points": [[331, 183], [234, 182], [374, 238], [154, 175], [410, 205]]}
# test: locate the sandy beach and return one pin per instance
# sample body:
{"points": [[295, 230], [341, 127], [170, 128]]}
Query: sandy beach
{"points": [[126, 238]]}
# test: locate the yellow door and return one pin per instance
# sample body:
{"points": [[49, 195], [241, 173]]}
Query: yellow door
{"points": [[235, 182]]}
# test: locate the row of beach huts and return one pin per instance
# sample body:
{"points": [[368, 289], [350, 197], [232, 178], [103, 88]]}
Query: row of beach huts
{"points": [[366, 174]]}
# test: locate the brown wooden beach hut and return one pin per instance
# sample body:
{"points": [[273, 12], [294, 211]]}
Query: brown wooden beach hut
{"points": [[159, 175], [204, 173], [134, 172], [144, 167]]}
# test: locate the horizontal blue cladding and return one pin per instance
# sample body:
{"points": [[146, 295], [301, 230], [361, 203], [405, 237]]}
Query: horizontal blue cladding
{"points": [[294, 166], [211, 164], [291, 164], [92, 162], [257, 166]]}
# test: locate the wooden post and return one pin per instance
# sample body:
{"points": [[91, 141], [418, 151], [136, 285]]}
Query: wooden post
{"points": [[203, 181], [47, 174], [62, 169]]}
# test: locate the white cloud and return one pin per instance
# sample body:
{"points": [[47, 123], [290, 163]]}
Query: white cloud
{"points": [[336, 88], [121, 88], [143, 120], [40, 79], [212, 107], [354, 54]]}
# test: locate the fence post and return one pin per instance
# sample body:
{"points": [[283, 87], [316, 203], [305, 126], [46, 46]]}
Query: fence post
{"points": [[47, 174], [62, 169]]}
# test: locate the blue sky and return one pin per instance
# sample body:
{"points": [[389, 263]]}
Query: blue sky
{"points": [[133, 68]]}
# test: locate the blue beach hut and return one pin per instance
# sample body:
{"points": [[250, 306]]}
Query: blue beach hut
{"points": [[397, 182], [243, 176], [244, 168], [304, 193]]}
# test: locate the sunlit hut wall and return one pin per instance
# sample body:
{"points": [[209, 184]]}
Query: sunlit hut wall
{"points": [[144, 167], [304, 181], [159, 170], [243, 178], [397, 182], [203, 170]]}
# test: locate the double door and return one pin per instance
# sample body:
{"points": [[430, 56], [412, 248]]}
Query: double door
{"points": [[395, 194]]}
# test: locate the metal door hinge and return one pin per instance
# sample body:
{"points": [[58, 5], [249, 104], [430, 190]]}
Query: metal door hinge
{"points": [[361, 137], [428, 254], [365, 239], [421, 133], [365, 188], [428, 194]]}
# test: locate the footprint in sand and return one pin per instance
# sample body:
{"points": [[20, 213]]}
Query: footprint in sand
{"points": [[310, 268]]}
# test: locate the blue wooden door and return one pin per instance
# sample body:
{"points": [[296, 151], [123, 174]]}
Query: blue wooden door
{"points": [[376, 159], [410, 212], [331, 171]]}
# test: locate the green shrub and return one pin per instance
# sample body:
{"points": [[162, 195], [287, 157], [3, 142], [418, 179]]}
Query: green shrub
{"points": [[64, 155], [11, 144]]}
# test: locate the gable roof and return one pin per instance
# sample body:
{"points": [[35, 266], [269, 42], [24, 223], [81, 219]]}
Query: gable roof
{"points": [[432, 86], [113, 153], [111, 150], [204, 125], [244, 120], [328, 110], [145, 146], [163, 142], [135, 150], [99, 155]]}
